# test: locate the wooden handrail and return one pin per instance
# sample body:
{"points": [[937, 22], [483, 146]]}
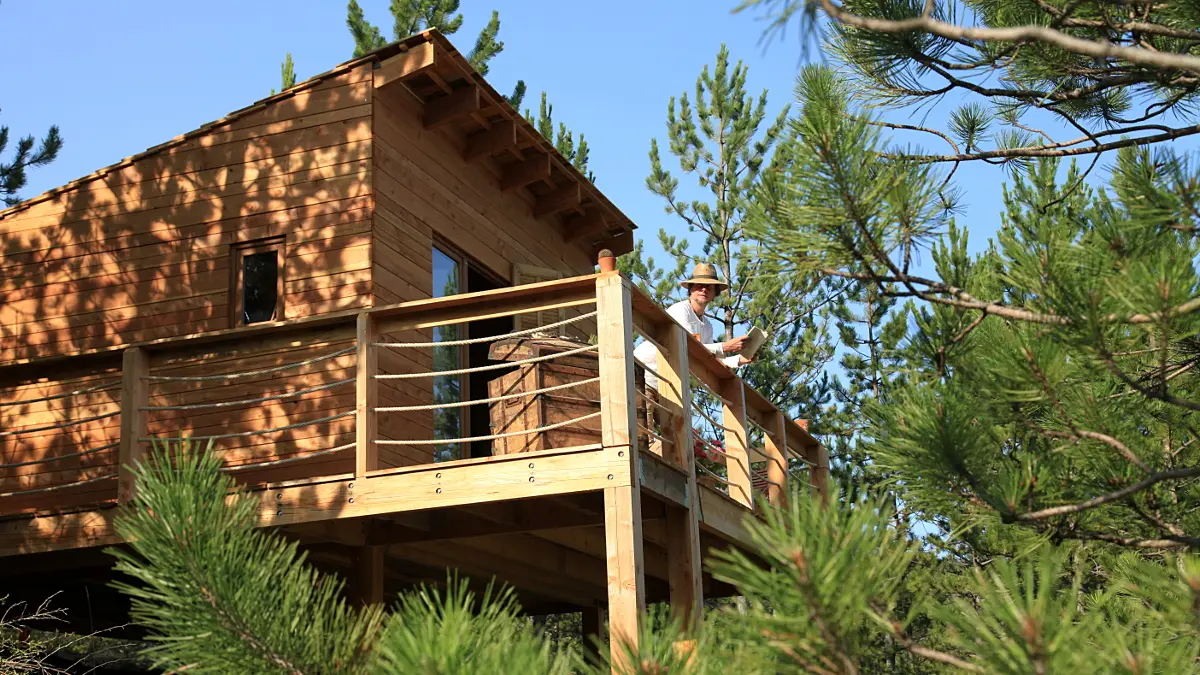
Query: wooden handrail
{"points": [[410, 314]]}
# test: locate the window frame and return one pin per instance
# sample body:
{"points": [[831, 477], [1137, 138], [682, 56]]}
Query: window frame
{"points": [[238, 253], [464, 265]]}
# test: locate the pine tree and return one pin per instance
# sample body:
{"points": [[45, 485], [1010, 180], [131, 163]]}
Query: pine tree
{"points": [[1050, 377], [414, 16], [12, 173], [218, 595], [288, 74], [725, 141]]}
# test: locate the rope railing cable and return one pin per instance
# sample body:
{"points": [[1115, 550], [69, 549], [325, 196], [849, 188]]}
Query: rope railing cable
{"points": [[495, 366], [491, 437], [77, 392], [481, 340], [263, 399], [719, 451], [494, 399], [246, 434], [250, 373], [286, 460], [63, 486], [60, 425], [652, 434], [48, 460]]}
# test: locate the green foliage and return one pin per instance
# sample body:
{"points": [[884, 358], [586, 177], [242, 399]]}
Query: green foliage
{"points": [[1013, 86], [563, 138], [287, 73], [219, 596], [12, 173], [839, 581], [722, 138], [413, 16], [456, 633]]}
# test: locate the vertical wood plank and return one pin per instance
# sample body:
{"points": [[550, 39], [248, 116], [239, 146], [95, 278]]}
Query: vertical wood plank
{"points": [[614, 325], [736, 441], [135, 395], [366, 584], [622, 502], [366, 452], [820, 472], [626, 568], [776, 450], [683, 525], [590, 632]]}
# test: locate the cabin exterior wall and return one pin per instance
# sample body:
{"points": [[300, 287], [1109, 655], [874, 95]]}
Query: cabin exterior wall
{"points": [[146, 250]]}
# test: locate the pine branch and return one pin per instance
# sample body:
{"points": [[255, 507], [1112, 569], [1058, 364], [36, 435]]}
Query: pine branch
{"points": [[1061, 150], [1097, 49], [1118, 495]]}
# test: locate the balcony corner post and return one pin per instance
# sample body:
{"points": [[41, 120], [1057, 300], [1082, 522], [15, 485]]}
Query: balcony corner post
{"points": [[366, 399], [135, 396], [622, 501]]}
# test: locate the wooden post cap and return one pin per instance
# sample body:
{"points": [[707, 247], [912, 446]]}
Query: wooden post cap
{"points": [[607, 261]]}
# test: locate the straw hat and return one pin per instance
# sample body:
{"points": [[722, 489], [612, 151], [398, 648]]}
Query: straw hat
{"points": [[705, 274]]}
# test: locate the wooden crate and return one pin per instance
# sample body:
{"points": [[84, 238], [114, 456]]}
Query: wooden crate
{"points": [[540, 410]]}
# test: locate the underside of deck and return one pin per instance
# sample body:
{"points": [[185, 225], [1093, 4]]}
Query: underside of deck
{"points": [[542, 532]]}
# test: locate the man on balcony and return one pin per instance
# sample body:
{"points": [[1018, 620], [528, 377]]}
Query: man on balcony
{"points": [[703, 287]]}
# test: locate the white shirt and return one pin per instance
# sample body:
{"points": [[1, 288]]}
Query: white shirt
{"points": [[683, 313]]}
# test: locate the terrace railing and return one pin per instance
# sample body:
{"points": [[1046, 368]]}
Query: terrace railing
{"points": [[359, 391]]}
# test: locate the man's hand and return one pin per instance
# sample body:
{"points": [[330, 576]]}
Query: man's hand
{"points": [[734, 346], [742, 361]]}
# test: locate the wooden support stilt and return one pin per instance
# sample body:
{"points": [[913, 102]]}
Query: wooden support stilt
{"points": [[776, 450], [683, 525], [366, 451], [366, 586], [592, 635], [737, 442], [135, 395], [622, 501]]}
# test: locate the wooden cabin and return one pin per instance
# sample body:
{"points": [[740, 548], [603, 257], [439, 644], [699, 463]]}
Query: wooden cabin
{"points": [[355, 292]]}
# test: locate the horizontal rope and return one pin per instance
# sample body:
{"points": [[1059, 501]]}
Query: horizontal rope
{"points": [[653, 434], [497, 366], [656, 404], [47, 460], [710, 472], [492, 437], [246, 434], [481, 340], [494, 399], [88, 390], [288, 460], [249, 373], [723, 453], [247, 401], [77, 483], [60, 425]]}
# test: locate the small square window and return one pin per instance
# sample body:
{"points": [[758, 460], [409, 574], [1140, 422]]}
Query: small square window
{"points": [[257, 293]]}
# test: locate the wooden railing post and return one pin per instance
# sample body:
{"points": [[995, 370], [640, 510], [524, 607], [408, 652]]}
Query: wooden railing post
{"points": [[135, 395], [737, 443], [776, 450], [366, 431], [683, 524], [622, 501], [820, 472]]}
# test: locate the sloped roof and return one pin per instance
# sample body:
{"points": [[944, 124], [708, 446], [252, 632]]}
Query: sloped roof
{"points": [[426, 86]]}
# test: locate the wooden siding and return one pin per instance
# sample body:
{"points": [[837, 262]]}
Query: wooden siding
{"points": [[423, 187], [144, 251]]}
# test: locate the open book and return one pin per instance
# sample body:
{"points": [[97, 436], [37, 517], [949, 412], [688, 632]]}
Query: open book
{"points": [[754, 341]]}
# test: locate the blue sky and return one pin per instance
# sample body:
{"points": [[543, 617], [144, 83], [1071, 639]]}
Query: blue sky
{"points": [[123, 76], [120, 77]]}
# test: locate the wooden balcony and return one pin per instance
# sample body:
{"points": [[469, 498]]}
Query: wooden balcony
{"points": [[612, 514]]}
